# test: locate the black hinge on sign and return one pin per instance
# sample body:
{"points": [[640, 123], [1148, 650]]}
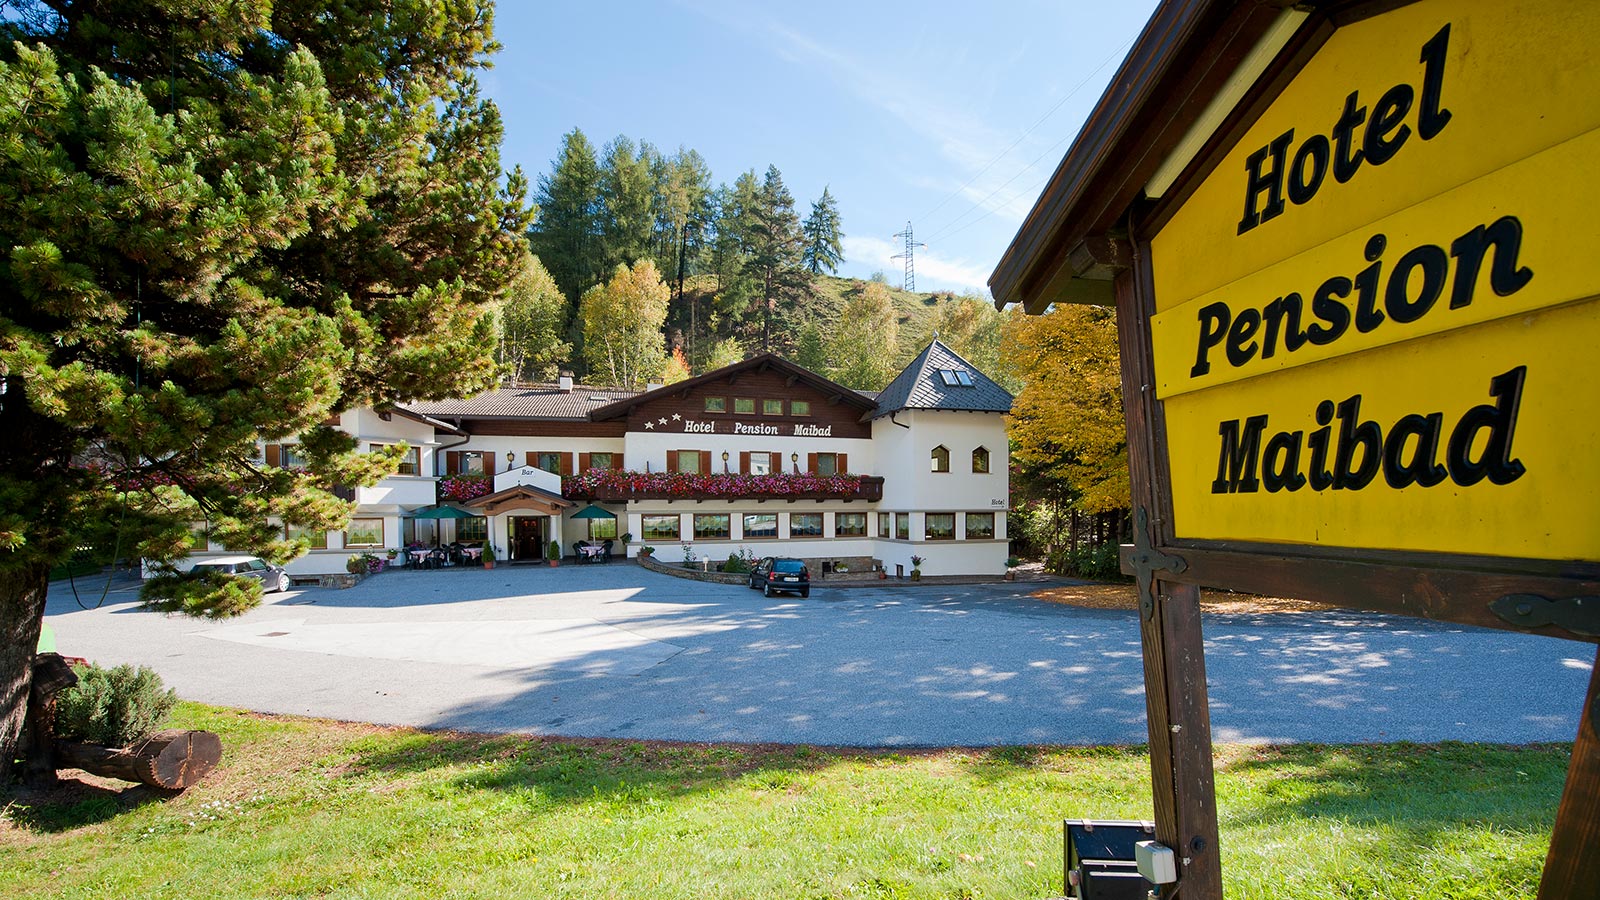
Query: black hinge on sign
{"points": [[1579, 615]]}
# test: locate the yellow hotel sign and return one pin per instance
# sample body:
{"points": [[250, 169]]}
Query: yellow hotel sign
{"points": [[1376, 320]]}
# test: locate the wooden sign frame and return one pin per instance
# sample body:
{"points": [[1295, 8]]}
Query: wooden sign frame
{"points": [[1089, 240]]}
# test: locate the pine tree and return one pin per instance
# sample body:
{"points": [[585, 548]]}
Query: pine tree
{"points": [[223, 223], [824, 241], [627, 203], [775, 251], [566, 237]]}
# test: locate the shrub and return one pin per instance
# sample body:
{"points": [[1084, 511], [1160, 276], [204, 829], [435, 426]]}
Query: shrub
{"points": [[1091, 561], [112, 707], [209, 594], [736, 564]]}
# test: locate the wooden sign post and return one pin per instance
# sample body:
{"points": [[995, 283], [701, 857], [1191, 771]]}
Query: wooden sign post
{"points": [[1350, 246]]}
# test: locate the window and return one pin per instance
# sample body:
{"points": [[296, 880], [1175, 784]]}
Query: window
{"points": [[471, 462], [602, 529], [744, 406], [716, 404], [941, 526], [290, 458], [827, 463], [760, 525], [761, 463], [659, 528], [956, 377], [315, 539], [850, 525], [799, 407], [364, 533], [980, 461], [902, 526], [712, 526], [805, 524], [941, 459], [883, 524], [689, 462], [980, 526], [772, 407], [409, 463], [548, 461], [600, 460], [473, 529]]}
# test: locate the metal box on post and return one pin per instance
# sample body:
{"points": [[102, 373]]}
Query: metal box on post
{"points": [[1100, 859]]}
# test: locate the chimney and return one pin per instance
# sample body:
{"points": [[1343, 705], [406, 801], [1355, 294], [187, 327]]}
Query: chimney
{"points": [[566, 381]]}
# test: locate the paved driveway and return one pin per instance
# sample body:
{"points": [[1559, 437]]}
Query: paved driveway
{"points": [[621, 652]]}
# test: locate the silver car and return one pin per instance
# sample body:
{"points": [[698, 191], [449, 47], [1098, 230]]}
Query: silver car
{"points": [[272, 578]]}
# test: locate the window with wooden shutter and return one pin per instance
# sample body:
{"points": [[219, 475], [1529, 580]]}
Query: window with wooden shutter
{"points": [[705, 462], [616, 461], [566, 463], [811, 462], [844, 463], [744, 462], [584, 462], [452, 462]]}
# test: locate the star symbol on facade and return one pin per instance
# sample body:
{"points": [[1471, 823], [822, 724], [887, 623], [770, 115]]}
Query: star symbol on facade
{"points": [[662, 420], [649, 425], [676, 417]]}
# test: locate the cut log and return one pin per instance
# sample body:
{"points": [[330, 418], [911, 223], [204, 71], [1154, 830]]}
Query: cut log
{"points": [[172, 760]]}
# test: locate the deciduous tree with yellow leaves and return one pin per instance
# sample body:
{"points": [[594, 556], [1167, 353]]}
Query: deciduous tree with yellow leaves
{"points": [[1069, 443]]}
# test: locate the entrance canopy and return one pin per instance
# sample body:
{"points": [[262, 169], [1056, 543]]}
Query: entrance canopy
{"points": [[521, 497]]}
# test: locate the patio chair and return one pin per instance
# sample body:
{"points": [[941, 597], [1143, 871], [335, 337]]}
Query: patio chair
{"points": [[605, 551], [577, 550]]}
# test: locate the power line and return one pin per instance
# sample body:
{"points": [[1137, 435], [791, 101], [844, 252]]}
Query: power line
{"points": [[909, 255]]}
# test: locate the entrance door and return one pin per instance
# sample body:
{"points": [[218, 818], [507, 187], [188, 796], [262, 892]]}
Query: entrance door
{"points": [[527, 537]]}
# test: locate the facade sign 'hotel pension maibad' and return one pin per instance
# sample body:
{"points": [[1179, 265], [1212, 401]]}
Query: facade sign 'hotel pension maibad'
{"points": [[1351, 246]]}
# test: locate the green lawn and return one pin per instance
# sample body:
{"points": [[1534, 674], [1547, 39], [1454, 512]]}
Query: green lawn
{"points": [[309, 808]]}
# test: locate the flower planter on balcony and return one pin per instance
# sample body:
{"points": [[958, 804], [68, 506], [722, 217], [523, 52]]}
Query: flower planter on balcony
{"points": [[620, 487], [461, 488]]}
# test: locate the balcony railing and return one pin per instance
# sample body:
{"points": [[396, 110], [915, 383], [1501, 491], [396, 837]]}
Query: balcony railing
{"points": [[619, 487], [461, 488]]}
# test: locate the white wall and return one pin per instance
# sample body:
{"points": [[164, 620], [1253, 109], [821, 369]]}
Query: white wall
{"points": [[520, 447]]}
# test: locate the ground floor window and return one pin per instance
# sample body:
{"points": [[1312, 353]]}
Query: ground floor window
{"points": [[883, 524], [473, 529], [941, 527], [316, 539], [712, 526], [602, 529], [364, 533], [805, 525], [902, 526], [419, 531], [850, 525], [659, 528], [760, 525], [980, 526]]}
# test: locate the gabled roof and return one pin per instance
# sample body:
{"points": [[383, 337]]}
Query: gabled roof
{"points": [[760, 363], [541, 401], [923, 385]]}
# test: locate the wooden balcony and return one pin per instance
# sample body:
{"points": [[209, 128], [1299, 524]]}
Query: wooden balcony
{"points": [[621, 487]]}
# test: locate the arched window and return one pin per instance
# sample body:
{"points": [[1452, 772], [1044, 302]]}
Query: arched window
{"points": [[980, 461], [941, 459]]}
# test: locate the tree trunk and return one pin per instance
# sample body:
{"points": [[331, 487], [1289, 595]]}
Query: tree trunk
{"points": [[22, 592], [167, 759]]}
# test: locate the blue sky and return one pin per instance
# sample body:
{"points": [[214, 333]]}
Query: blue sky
{"points": [[949, 115]]}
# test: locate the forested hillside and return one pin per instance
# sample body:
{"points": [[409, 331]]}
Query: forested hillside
{"points": [[634, 241]]}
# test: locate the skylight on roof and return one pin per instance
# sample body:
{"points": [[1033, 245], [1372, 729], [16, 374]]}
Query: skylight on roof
{"points": [[956, 377]]}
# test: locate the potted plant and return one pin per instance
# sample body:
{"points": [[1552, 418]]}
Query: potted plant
{"points": [[916, 568], [554, 554], [647, 550], [1011, 568], [393, 553], [488, 555], [625, 538]]}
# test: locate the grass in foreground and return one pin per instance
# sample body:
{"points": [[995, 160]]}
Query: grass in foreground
{"points": [[310, 808]]}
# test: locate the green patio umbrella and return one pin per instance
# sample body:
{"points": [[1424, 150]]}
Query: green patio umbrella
{"points": [[593, 512], [443, 512]]}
